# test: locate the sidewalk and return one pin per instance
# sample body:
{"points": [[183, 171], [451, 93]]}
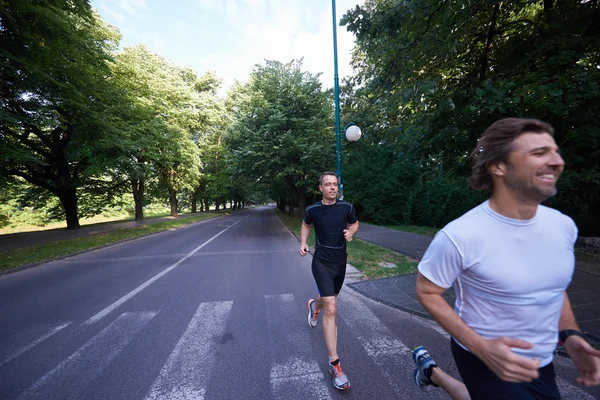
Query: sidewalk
{"points": [[399, 292]]}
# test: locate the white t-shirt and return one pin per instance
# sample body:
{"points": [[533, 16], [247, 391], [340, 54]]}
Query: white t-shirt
{"points": [[509, 275]]}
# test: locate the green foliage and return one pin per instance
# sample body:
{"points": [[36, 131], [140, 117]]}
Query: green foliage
{"points": [[54, 60], [83, 124], [578, 196], [24, 216], [439, 200], [432, 75], [280, 137], [169, 108]]}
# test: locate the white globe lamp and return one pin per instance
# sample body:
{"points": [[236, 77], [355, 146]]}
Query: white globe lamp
{"points": [[353, 133]]}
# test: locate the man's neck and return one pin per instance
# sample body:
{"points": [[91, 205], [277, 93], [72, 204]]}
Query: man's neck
{"points": [[512, 207], [328, 202]]}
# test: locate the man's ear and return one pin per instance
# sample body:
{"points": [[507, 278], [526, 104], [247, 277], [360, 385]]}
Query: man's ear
{"points": [[497, 169]]}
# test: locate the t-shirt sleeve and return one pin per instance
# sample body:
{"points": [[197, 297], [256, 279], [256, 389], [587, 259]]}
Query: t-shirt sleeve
{"points": [[442, 263], [352, 215], [307, 218], [575, 232]]}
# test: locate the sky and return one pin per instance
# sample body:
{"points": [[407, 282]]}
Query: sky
{"points": [[231, 36]]}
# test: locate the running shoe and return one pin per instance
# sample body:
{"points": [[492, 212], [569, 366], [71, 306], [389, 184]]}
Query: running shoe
{"points": [[340, 380], [425, 364], [312, 313]]}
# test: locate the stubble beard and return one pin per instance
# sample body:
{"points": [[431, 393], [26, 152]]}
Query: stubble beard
{"points": [[530, 191]]}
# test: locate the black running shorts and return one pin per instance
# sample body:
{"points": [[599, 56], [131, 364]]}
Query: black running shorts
{"points": [[329, 276], [483, 384]]}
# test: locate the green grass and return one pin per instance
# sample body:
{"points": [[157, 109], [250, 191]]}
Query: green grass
{"points": [[361, 255], [36, 254], [98, 219], [421, 230]]}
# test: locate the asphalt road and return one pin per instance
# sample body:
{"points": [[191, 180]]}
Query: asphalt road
{"points": [[214, 310]]}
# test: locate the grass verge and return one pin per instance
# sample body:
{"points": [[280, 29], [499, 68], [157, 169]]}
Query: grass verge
{"points": [[96, 220], [421, 230], [361, 255], [37, 254]]}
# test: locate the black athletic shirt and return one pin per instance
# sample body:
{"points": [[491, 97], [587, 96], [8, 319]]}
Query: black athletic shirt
{"points": [[329, 222]]}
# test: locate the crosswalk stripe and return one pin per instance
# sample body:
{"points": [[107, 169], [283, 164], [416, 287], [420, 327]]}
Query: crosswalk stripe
{"points": [[186, 372], [92, 358], [296, 374], [567, 390], [384, 349], [23, 341]]}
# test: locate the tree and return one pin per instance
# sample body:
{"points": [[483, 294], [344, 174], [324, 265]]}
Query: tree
{"points": [[281, 137], [434, 74], [169, 108], [54, 63]]}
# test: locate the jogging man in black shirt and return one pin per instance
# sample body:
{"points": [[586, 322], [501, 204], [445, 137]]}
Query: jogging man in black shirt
{"points": [[335, 224]]}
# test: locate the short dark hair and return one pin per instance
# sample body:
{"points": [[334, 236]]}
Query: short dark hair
{"points": [[324, 174], [495, 145]]}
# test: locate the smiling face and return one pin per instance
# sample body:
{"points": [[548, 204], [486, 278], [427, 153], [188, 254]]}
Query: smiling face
{"points": [[532, 168], [329, 188]]}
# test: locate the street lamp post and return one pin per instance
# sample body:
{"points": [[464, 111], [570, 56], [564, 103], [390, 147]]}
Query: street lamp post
{"points": [[352, 131], [336, 94]]}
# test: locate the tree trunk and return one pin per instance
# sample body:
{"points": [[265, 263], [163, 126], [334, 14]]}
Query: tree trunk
{"points": [[137, 188], [281, 205], [173, 202], [68, 199], [300, 199], [488, 45], [194, 202]]}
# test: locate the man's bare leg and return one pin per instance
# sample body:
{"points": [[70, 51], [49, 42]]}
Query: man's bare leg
{"points": [[329, 305], [428, 373], [455, 388]]}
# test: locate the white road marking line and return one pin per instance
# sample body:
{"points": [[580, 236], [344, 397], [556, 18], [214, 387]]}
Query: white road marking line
{"points": [[144, 285], [388, 352], [24, 341], [298, 375], [177, 255], [568, 390], [71, 377], [186, 372]]}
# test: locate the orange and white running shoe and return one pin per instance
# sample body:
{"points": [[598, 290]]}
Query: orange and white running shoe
{"points": [[312, 313], [340, 380]]}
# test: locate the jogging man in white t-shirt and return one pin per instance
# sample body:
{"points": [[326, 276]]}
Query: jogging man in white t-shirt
{"points": [[510, 261]]}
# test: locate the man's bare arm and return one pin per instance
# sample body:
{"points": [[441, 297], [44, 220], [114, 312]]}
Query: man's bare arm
{"points": [[304, 232], [350, 231], [584, 356]]}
